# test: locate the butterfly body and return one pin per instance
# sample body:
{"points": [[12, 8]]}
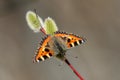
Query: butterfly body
{"points": [[57, 45]]}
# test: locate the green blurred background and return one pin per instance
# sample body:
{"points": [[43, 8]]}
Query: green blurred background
{"points": [[97, 20]]}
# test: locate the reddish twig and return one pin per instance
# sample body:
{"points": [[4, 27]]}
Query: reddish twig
{"points": [[43, 30], [73, 69]]}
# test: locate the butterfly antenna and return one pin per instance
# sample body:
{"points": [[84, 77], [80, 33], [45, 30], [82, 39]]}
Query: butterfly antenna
{"points": [[73, 69]]}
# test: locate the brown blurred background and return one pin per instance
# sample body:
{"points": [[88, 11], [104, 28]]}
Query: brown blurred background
{"points": [[97, 20]]}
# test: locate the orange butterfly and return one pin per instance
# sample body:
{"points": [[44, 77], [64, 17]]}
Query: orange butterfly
{"points": [[57, 45]]}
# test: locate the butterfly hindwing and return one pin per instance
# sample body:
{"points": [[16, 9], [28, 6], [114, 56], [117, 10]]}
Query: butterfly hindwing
{"points": [[44, 50], [71, 39]]}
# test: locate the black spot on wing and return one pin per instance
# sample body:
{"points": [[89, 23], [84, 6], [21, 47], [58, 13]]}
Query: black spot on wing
{"points": [[75, 43], [45, 57], [80, 41], [39, 59], [47, 50], [50, 54], [68, 40], [70, 45]]}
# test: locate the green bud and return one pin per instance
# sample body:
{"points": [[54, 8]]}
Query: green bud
{"points": [[34, 21], [50, 26]]}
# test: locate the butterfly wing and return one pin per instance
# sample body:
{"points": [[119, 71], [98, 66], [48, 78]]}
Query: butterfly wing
{"points": [[44, 50], [71, 39]]}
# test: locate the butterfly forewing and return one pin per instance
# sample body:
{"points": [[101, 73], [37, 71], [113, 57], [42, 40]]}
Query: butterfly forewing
{"points": [[71, 39]]}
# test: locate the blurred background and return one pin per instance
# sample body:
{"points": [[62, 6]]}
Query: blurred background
{"points": [[97, 20]]}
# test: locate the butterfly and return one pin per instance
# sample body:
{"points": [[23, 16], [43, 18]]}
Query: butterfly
{"points": [[57, 45]]}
